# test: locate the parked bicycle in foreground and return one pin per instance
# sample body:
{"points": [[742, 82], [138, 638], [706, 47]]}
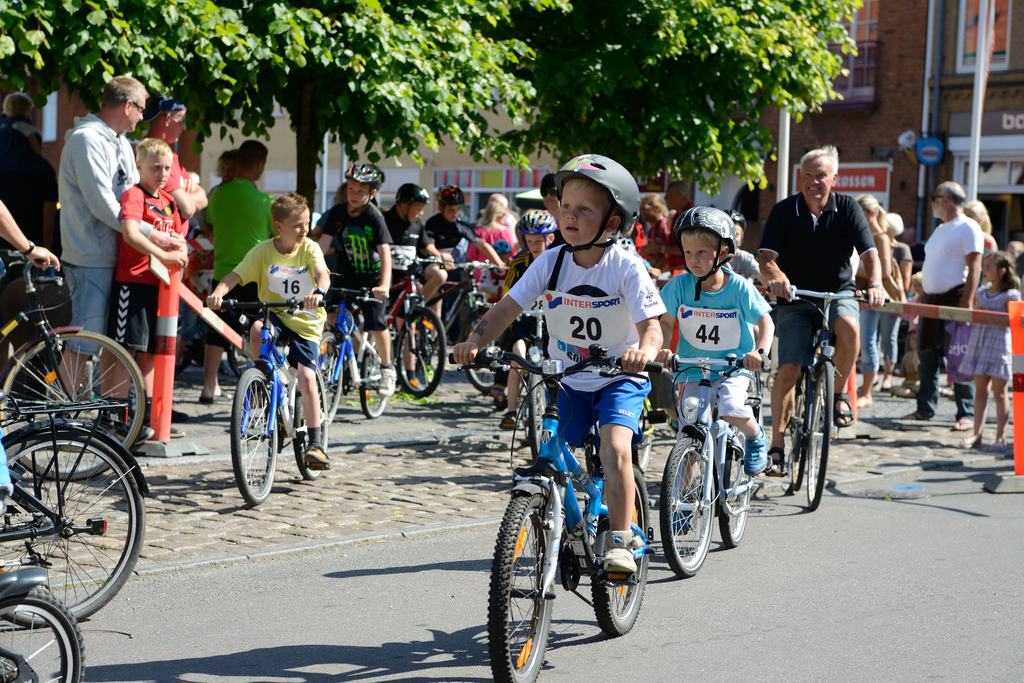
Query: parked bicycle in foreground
{"points": [[545, 530], [704, 474], [267, 411], [39, 638]]}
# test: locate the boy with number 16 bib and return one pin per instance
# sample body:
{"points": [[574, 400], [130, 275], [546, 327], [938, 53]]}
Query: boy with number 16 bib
{"points": [[593, 292]]}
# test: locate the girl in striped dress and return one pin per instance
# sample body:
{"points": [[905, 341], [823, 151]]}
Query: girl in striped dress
{"points": [[987, 356]]}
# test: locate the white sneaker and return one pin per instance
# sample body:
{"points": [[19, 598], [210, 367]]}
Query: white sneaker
{"points": [[388, 379], [618, 558]]}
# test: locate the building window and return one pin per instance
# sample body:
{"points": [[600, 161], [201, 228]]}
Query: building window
{"points": [[50, 118], [858, 86], [967, 36]]}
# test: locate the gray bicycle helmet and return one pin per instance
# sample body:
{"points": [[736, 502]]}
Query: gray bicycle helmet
{"points": [[412, 193], [714, 220], [365, 173], [619, 183]]}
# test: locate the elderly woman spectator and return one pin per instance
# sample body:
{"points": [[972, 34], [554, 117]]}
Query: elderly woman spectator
{"points": [[870, 320], [979, 213], [660, 251]]}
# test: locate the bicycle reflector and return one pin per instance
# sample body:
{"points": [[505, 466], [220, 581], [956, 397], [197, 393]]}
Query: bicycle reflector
{"points": [[551, 366], [97, 526]]}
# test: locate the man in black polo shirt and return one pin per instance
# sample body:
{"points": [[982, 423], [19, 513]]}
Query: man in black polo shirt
{"points": [[409, 237], [808, 242]]}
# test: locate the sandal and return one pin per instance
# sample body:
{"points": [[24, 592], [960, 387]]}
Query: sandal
{"points": [[842, 418], [997, 447], [963, 425], [500, 400], [971, 441], [509, 420], [916, 416], [777, 468]]}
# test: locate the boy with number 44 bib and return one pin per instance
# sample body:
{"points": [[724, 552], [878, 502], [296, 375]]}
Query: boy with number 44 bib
{"points": [[289, 267], [593, 292], [716, 310]]}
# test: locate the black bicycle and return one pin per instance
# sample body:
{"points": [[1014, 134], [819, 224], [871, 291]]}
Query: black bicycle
{"points": [[77, 505], [39, 638]]}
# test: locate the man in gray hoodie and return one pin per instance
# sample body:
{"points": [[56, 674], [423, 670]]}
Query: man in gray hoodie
{"points": [[96, 167]]}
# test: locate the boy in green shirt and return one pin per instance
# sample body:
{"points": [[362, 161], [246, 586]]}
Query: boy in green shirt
{"points": [[289, 266]]}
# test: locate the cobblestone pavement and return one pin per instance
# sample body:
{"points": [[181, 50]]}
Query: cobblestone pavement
{"points": [[421, 468]]}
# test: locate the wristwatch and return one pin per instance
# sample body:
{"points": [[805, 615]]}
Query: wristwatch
{"points": [[321, 291], [31, 246], [875, 287]]}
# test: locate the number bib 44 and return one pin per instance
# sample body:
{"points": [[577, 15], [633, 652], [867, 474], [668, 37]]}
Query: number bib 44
{"points": [[576, 322], [288, 282], [709, 330]]}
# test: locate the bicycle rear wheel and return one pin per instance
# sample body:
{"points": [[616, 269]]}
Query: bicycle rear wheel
{"points": [[617, 607], [94, 547], [481, 378], [253, 446], [369, 372], [110, 374], [300, 440], [43, 637], [423, 337], [685, 520], [518, 615], [732, 526], [820, 433]]}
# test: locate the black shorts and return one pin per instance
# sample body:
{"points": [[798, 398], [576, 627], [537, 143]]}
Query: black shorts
{"points": [[131, 321], [301, 351], [249, 292]]}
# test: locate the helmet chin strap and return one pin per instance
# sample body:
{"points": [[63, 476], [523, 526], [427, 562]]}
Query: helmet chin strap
{"points": [[593, 242], [714, 269]]}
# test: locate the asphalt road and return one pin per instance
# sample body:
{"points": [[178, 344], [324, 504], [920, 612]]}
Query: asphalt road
{"points": [[880, 583]]}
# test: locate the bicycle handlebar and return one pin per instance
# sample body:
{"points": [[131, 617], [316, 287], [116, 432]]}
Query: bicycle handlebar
{"points": [[795, 293], [497, 357], [475, 265], [731, 360], [14, 257], [232, 305]]}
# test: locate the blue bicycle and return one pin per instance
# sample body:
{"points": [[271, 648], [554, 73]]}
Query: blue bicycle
{"points": [[544, 529], [267, 410], [342, 367]]}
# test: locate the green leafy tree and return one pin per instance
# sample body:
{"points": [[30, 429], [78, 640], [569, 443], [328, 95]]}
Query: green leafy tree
{"points": [[395, 78], [676, 85]]}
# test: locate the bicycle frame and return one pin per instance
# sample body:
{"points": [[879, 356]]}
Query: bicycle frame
{"points": [[345, 326], [713, 448]]}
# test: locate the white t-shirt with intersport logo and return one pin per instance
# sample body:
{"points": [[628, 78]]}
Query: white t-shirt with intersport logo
{"points": [[598, 305], [719, 324]]}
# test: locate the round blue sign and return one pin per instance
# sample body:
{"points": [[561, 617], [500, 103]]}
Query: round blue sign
{"points": [[930, 151]]}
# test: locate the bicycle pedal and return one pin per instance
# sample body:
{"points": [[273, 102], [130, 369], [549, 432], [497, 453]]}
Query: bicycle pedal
{"points": [[657, 417]]}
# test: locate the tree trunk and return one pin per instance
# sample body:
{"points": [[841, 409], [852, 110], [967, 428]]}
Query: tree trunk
{"points": [[308, 142]]}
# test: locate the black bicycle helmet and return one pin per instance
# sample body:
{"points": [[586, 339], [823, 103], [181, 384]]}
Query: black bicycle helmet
{"points": [[365, 173], [739, 219], [616, 180], [412, 193], [537, 222], [449, 195], [711, 219]]}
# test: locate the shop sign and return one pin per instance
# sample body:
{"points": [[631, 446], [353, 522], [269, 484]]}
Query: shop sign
{"points": [[929, 151]]}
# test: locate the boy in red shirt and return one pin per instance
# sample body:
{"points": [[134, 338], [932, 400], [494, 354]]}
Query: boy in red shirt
{"points": [[132, 317]]}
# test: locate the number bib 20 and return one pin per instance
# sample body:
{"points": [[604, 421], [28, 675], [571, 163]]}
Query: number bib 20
{"points": [[575, 322], [709, 330], [288, 282]]}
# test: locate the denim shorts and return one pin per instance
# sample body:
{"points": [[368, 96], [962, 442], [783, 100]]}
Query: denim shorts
{"points": [[618, 403], [795, 323], [90, 298]]}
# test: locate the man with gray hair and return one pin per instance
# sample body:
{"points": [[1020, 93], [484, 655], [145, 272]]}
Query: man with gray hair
{"points": [[807, 242], [952, 269]]}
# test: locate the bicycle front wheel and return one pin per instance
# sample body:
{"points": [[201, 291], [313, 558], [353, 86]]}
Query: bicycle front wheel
{"points": [[300, 441], [685, 520], [518, 615], [819, 435], [617, 607], [253, 445], [44, 638], [93, 548], [798, 432], [332, 369], [370, 401], [536, 404], [422, 342], [108, 374]]}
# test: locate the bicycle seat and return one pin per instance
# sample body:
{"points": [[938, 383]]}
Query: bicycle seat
{"points": [[21, 581], [542, 468]]}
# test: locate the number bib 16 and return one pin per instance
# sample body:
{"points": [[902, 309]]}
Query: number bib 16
{"points": [[709, 330], [288, 282], [581, 321]]}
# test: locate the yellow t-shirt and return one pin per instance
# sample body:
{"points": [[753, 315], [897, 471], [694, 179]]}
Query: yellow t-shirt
{"points": [[280, 277]]}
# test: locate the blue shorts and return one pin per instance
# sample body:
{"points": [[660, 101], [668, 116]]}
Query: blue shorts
{"points": [[619, 403], [795, 322], [301, 351], [90, 300]]}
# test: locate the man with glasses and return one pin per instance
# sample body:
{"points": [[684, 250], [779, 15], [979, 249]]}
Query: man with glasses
{"points": [[96, 166], [166, 117], [952, 269]]}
